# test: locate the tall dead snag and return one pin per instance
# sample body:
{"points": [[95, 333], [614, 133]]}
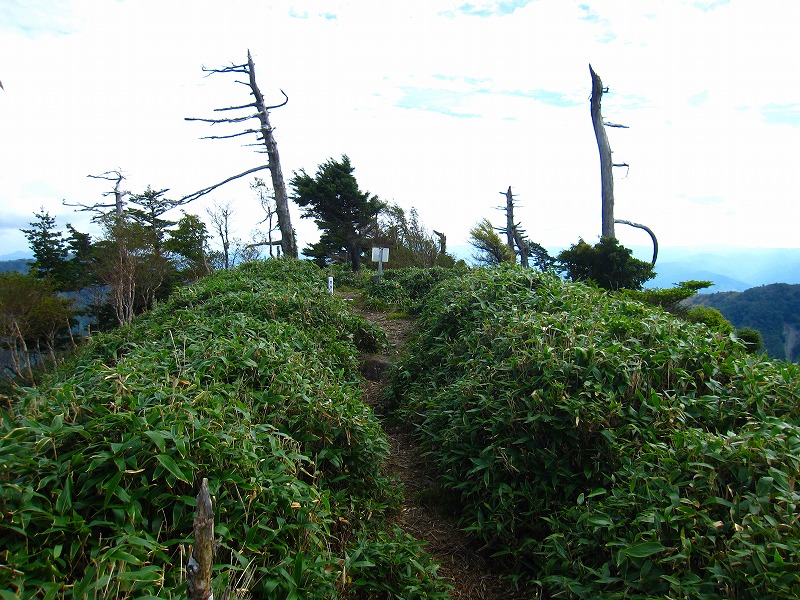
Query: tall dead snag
{"points": [[515, 236], [198, 569], [264, 135], [606, 163]]}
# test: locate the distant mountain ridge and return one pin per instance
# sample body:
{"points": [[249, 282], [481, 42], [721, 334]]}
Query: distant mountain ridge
{"points": [[20, 265], [731, 269], [772, 309]]}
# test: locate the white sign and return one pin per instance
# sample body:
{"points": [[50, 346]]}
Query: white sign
{"points": [[380, 255]]}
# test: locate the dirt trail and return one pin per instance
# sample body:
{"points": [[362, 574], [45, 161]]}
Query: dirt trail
{"points": [[471, 574]]}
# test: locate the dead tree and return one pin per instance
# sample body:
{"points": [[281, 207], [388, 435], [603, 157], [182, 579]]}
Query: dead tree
{"points": [[198, 570], [101, 208], [514, 235], [442, 242], [606, 162], [264, 134], [267, 205]]}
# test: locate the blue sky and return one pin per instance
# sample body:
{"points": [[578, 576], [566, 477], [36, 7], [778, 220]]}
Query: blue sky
{"points": [[441, 105]]}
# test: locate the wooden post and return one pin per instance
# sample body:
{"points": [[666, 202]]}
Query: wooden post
{"points": [[198, 569]]}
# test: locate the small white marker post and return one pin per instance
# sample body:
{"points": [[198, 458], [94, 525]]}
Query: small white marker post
{"points": [[380, 256], [330, 284]]}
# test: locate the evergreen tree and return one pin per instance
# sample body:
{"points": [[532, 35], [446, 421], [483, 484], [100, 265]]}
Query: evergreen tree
{"points": [[48, 246], [188, 246], [346, 216], [608, 264]]}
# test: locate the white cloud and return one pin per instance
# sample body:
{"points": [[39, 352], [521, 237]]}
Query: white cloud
{"points": [[440, 105]]}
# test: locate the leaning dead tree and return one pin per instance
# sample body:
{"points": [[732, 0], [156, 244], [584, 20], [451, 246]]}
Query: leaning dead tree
{"points": [[263, 131]]}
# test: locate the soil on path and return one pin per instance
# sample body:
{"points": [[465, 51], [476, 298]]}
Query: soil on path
{"points": [[472, 575]]}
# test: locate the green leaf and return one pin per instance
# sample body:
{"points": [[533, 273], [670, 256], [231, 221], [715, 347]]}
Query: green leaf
{"points": [[149, 573], [643, 549], [64, 502], [170, 465], [156, 438]]}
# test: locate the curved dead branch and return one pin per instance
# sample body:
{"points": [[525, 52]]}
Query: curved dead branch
{"points": [[648, 230]]}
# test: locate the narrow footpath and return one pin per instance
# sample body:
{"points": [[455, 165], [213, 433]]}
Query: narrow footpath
{"points": [[471, 574]]}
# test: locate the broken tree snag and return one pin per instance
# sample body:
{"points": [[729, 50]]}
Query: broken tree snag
{"points": [[259, 110], [119, 197], [510, 219], [288, 243], [515, 236], [648, 230], [606, 164], [442, 242], [198, 570]]}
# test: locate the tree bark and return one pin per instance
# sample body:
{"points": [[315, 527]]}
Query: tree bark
{"points": [[288, 243], [198, 570], [606, 163], [515, 238], [510, 219]]}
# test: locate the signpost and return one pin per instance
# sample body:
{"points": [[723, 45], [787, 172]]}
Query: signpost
{"points": [[380, 256]]}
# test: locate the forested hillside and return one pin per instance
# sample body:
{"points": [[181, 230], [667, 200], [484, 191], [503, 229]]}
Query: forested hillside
{"points": [[772, 309]]}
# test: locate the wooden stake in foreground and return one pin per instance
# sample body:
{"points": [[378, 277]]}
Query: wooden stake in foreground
{"points": [[198, 569]]}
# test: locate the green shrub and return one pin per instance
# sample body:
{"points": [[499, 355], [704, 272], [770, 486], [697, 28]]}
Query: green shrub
{"points": [[248, 378], [605, 448], [607, 264], [752, 339], [385, 293], [710, 317]]}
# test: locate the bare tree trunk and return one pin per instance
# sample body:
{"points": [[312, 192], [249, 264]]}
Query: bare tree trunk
{"points": [[606, 163], [510, 220], [442, 242], [26, 354], [516, 241], [288, 244], [198, 570]]}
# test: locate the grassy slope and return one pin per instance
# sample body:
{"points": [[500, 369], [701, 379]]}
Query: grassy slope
{"points": [[248, 378], [607, 448]]}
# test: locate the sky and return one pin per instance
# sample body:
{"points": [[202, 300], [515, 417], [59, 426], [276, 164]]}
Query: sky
{"points": [[441, 105]]}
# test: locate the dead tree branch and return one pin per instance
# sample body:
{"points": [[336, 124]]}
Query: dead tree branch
{"points": [[648, 230], [205, 191]]}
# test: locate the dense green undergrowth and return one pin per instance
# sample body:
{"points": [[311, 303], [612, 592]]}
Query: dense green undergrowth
{"points": [[603, 447], [248, 378]]}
